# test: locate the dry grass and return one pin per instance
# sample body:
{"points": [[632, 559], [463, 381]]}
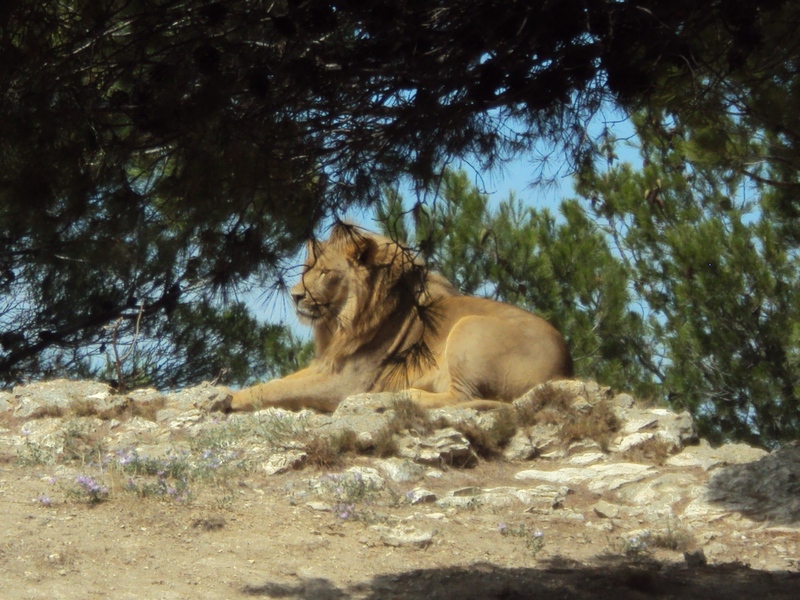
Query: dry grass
{"points": [[147, 410], [326, 452], [547, 406], [48, 410], [553, 406], [655, 451], [83, 408], [598, 424], [489, 441], [409, 416]]}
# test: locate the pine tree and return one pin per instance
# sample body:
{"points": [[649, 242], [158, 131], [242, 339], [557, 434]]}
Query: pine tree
{"points": [[709, 257]]}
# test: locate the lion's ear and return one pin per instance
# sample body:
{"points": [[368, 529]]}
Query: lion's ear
{"points": [[364, 250]]}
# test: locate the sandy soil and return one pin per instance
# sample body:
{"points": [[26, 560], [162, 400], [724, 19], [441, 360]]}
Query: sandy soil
{"points": [[256, 537]]}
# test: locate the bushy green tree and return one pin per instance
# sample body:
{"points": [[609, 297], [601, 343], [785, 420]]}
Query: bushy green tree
{"points": [[708, 253]]}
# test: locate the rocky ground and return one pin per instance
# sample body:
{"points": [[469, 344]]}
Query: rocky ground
{"points": [[571, 492]]}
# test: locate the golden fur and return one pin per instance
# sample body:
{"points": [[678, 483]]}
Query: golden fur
{"points": [[382, 322]]}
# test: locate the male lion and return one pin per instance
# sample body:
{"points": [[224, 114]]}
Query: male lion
{"points": [[382, 322]]}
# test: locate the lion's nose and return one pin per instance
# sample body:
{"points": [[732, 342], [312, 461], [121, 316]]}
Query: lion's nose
{"points": [[298, 296]]}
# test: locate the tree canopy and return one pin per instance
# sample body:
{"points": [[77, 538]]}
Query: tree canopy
{"points": [[155, 152]]}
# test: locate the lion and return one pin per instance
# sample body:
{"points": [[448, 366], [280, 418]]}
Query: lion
{"points": [[383, 322]]}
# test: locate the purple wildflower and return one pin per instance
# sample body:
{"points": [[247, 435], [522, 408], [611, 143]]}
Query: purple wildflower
{"points": [[44, 500], [91, 487]]}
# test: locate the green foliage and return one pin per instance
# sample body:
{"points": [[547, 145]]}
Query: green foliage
{"points": [[709, 256]]}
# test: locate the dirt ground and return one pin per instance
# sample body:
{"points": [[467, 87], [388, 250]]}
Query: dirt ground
{"points": [[257, 537]]}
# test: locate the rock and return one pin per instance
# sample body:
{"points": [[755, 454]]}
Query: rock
{"points": [[599, 477], [543, 496], [401, 470], [660, 494], [587, 458], [59, 397], [625, 443], [519, 447], [715, 550], [446, 446], [368, 416], [403, 535], [621, 403], [706, 457], [695, 558], [639, 426], [204, 397], [471, 490], [676, 429], [544, 437], [5, 402], [420, 496], [606, 510], [282, 462]]}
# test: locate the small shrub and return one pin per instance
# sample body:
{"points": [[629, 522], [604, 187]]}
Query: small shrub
{"points": [[408, 415], [655, 450], [147, 410], [80, 446], [32, 454], [385, 443], [491, 440], [638, 547], [48, 410], [551, 405], [278, 426], [534, 540], [547, 406], [674, 537], [83, 408], [598, 424], [88, 490], [326, 452]]}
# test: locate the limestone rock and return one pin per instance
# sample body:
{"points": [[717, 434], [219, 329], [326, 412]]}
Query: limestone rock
{"points": [[281, 462], [446, 446], [401, 470], [640, 426], [606, 510], [543, 496], [706, 457], [58, 397], [544, 437], [599, 477], [519, 447], [204, 397], [403, 535], [420, 496], [5, 402], [368, 416]]}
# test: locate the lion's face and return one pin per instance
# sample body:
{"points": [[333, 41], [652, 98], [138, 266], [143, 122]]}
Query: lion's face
{"points": [[323, 288]]}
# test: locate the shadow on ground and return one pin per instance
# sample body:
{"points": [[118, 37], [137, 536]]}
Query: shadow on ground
{"points": [[556, 579], [764, 490]]}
